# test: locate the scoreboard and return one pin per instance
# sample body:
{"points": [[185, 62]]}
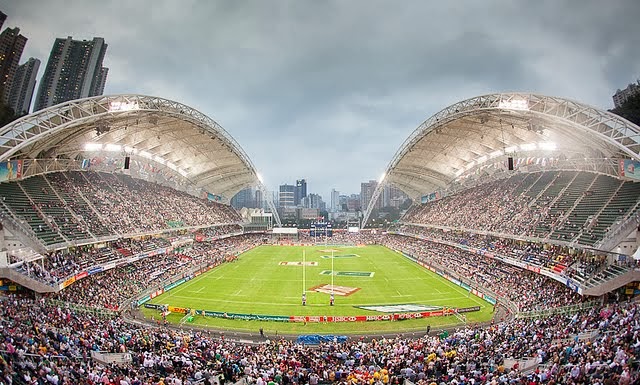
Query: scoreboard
{"points": [[321, 229]]}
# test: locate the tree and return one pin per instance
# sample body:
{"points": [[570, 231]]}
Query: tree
{"points": [[406, 204], [630, 110], [7, 115]]}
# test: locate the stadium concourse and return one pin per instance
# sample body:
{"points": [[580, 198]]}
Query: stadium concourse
{"points": [[110, 198]]}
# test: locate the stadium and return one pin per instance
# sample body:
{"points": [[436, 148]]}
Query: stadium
{"points": [[516, 263]]}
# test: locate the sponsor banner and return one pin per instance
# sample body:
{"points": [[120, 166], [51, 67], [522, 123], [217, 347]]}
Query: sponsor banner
{"points": [[81, 275], [409, 256], [337, 290], [68, 282], [144, 300], [95, 270], [465, 286], [240, 316], [298, 263], [491, 300], [573, 286], [10, 170], [629, 168], [174, 309], [400, 308], [108, 266], [341, 256], [174, 284], [368, 274], [156, 293], [152, 306], [133, 259], [467, 309], [365, 318], [535, 269]]}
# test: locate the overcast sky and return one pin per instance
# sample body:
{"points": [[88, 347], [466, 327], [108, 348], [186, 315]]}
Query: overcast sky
{"points": [[328, 90]]}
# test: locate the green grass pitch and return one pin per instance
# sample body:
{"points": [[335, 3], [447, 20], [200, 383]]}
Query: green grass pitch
{"points": [[257, 283]]}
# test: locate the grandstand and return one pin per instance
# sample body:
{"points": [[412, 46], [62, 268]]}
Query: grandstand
{"points": [[109, 201]]}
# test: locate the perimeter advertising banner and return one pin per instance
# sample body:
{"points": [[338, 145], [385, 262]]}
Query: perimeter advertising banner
{"points": [[629, 168]]}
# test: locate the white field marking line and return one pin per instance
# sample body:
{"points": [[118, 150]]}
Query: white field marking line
{"points": [[242, 302], [198, 291]]}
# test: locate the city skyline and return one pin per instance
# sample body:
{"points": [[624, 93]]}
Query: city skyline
{"points": [[346, 83]]}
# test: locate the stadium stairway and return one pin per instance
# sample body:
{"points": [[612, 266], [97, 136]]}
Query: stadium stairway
{"points": [[26, 281], [609, 279]]}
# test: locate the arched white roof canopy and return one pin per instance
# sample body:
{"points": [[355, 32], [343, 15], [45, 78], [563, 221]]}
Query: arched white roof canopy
{"points": [[452, 141], [192, 143]]}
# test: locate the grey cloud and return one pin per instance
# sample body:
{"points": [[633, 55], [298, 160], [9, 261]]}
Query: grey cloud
{"points": [[347, 81]]}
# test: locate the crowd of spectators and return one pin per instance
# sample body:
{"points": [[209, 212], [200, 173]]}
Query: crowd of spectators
{"points": [[493, 207], [45, 344], [102, 204], [528, 290], [111, 289], [571, 262], [536, 205], [58, 265]]}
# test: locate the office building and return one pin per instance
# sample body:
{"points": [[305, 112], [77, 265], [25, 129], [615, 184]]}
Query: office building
{"points": [[24, 83], [11, 46], [286, 196], [301, 191], [74, 71], [244, 198]]}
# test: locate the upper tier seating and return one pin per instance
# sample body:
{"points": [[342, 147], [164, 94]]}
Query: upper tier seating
{"points": [[555, 205], [76, 206]]}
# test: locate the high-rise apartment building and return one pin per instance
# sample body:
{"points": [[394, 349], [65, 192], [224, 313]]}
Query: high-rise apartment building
{"points": [[24, 83], [335, 200], [301, 191], [366, 193], [74, 71], [3, 18], [11, 46], [621, 96]]}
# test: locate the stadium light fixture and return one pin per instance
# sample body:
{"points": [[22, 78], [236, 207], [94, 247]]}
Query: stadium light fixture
{"points": [[528, 146], [112, 147], [123, 106], [384, 174], [514, 104], [92, 147], [549, 146], [259, 177]]}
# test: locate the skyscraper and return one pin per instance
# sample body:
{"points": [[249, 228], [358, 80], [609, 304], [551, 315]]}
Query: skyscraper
{"points": [[23, 86], [74, 71], [11, 47], [301, 191], [286, 198], [335, 200], [244, 198]]}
